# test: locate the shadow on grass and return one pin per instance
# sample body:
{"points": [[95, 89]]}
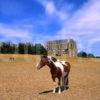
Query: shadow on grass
{"points": [[50, 91], [45, 92]]}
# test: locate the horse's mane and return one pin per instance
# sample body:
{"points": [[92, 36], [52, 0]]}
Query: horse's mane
{"points": [[53, 59], [43, 56]]}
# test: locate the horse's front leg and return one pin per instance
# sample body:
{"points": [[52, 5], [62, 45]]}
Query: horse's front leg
{"points": [[59, 85], [54, 83]]}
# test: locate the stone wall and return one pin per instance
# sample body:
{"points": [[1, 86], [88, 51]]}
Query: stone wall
{"points": [[62, 47]]}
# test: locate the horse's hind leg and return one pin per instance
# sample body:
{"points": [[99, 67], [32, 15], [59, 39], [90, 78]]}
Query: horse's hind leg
{"points": [[63, 82], [66, 81]]}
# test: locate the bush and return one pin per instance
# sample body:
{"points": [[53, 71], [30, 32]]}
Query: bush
{"points": [[90, 55], [82, 54]]}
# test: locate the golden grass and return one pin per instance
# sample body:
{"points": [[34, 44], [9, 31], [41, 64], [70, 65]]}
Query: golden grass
{"points": [[19, 79]]}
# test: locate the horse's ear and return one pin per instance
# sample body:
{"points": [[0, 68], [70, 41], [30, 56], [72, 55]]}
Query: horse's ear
{"points": [[54, 59], [43, 56]]}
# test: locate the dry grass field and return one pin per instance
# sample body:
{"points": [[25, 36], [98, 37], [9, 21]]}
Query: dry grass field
{"points": [[20, 80]]}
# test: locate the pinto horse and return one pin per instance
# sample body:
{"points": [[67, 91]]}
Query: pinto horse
{"points": [[58, 69]]}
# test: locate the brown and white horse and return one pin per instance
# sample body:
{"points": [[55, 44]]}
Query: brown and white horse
{"points": [[58, 69]]}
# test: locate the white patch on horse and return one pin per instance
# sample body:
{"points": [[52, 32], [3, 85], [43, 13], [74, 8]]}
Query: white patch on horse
{"points": [[63, 62], [59, 64]]}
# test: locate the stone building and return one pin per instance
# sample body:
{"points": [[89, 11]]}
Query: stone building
{"points": [[62, 47]]}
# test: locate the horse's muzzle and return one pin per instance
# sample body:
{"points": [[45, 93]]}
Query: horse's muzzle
{"points": [[37, 67]]}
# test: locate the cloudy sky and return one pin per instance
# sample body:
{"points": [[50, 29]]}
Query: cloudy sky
{"points": [[43, 20]]}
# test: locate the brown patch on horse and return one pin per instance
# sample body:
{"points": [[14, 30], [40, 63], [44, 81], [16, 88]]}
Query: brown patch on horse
{"points": [[67, 67], [55, 71], [56, 74]]}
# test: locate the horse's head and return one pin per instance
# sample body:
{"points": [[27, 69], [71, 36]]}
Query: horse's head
{"points": [[43, 61]]}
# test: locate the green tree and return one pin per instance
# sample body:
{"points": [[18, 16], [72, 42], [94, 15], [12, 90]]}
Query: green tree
{"points": [[82, 54], [21, 48], [29, 48], [90, 55], [39, 49], [6, 47]]}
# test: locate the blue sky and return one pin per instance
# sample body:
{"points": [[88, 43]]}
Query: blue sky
{"points": [[43, 20]]}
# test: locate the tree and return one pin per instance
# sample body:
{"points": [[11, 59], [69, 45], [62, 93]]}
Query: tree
{"points": [[6, 47], [82, 54], [21, 48], [90, 55], [30, 48], [39, 49]]}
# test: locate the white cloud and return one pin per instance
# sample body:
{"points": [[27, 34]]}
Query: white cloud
{"points": [[51, 10], [14, 32], [84, 24]]}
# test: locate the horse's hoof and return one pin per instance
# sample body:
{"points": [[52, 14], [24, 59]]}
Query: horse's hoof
{"points": [[59, 92], [53, 92]]}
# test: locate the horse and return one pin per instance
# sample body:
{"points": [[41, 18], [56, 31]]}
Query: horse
{"points": [[11, 58], [59, 70]]}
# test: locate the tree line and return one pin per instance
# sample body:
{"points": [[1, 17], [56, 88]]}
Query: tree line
{"points": [[22, 48], [85, 55], [29, 48]]}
